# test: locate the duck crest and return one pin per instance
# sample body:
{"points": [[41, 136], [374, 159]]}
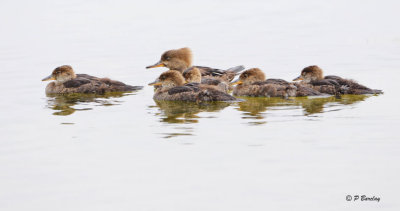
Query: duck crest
{"points": [[182, 54], [313, 72]]}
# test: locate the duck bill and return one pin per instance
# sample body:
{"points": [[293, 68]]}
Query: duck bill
{"points": [[158, 64], [155, 83], [236, 82], [300, 78], [48, 78]]}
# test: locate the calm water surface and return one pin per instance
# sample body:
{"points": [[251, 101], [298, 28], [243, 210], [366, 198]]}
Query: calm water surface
{"points": [[125, 151]]}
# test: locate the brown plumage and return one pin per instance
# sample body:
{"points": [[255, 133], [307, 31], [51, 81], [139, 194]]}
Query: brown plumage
{"points": [[181, 60], [313, 77], [66, 81], [193, 76], [252, 83], [173, 88]]}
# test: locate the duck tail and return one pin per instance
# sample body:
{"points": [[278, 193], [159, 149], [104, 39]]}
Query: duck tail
{"points": [[377, 91], [236, 69], [133, 88]]}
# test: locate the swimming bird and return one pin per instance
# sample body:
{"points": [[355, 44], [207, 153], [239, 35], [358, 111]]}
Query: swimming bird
{"points": [[193, 76], [181, 60], [334, 85], [172, 87], [66, 81], [252, 83]]}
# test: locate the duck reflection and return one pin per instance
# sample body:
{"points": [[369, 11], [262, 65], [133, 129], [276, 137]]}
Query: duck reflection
{"points": [[67, 104], [184, 113], [320, 105], [254, 108]]}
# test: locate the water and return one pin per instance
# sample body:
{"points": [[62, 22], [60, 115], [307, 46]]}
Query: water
{"points": [[127, 152]]}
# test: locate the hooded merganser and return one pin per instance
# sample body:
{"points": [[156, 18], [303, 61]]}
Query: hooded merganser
{"points": [[334, 85], [181, 60], [172, 87], [66, 81], [252, 83], [193, 76]]}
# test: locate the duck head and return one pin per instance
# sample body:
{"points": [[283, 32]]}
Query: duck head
{"points": [[61, 74], [310, 73], [177, 59], [250, 76], [192, 76], [169, 79]]}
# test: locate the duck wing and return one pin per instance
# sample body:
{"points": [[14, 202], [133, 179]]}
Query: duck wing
{"points": [[277, 81], [77, 82], [191, 87], [84, 83], [236, 69], [86, 76], [117, 86], [303, 91], [322, 82], [210, 94], [345, 82], [272, 81], [227, 74], [349, 86], [333, 77], [208, 71], [210, 81]]}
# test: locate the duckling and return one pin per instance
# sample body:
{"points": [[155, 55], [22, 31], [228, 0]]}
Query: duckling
{"points": [[333, 85], [193, 76], [181, 60], [173, 88], [252, 83], [66, 81]]}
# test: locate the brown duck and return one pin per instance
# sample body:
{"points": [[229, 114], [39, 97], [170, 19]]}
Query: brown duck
{"points": [[193, 76], [252, 83], [312, 76], [66, 81], [181, 60], [173, 88]]}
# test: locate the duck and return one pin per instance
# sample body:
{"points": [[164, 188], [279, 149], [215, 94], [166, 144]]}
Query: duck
{"points": [[313, 77], [181, 60], [172, 87], [253, 83], [193, 76], [66, 81]]}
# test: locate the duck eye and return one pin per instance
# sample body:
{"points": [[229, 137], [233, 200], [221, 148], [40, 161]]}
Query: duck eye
{"points": [[167, 58]]}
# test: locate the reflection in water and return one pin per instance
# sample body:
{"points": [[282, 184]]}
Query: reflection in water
{"points": [[317, 105], [254, 107], [175, 112], [67, 104]]}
